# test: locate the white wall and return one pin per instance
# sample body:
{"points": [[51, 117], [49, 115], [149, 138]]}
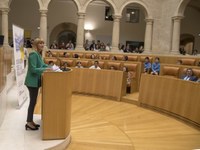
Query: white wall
{"points": [[60, 12], [25, 14], [191, 25], [95, 15], [132, 31]]}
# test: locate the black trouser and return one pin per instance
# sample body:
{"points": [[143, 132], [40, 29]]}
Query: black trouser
{"points": [[33, 92]]}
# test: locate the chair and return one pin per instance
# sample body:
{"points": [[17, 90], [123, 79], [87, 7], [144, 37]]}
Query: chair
{"points": [[80, 55], [55, 60], [189, 62], [170, 71], [61, 54], [132, 58], [84, 63], [101, 64], [196, 72], [104, 57], [54, 54], [119, 57], [70, 62], [142, 58], [116, 65], [88, 56]]}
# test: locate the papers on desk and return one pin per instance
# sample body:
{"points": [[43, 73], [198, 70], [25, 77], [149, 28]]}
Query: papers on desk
{"points": [[56, 68]]}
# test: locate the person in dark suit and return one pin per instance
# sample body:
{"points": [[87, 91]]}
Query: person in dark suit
{"points": [[189, 76], [36, 67]]}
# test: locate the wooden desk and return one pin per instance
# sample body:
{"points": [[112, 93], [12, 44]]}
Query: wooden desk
{"points": [[56, 104], [109, 83], [175, 96]]}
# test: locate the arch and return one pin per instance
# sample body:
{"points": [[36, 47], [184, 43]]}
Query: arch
{"points": [[110, 2], [146, 10], [76, 2], [60, 28], [5, 3], [187, 41], [181, 8]]}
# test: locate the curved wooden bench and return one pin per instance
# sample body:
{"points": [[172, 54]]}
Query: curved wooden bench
{"points": [[176, 97]]}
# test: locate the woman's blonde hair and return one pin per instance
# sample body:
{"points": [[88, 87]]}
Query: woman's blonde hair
{"points": [[36, 42]]}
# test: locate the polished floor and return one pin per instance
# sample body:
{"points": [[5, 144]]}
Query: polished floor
{"points": [[102, 124]]}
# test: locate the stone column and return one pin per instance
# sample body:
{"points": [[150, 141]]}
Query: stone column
{"points": [[115, 33], [43, 25], [5, 25], [176, 34], [80, 31], [148, 36]]}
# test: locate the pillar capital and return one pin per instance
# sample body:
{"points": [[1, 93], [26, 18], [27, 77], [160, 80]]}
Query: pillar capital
{"points": [[116, 17], [177, 18], [81, 15], [43, 12], [5, 10], [147, 20]]}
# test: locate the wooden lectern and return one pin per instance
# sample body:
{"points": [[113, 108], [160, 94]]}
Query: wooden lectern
{"points": [[56, 104]]}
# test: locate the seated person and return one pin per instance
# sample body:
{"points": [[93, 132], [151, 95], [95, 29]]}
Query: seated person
{"points": [[76, 56], [53, 45], [156, 67], [147, 65], [65, 54], [65, 67], [128, 79], [128, 82], [125, 58], [112, 68], [86, 45], [79, 65], [62, 45], [198, 64], [50, 63], [125, 69], [93, 56], [70, 45], [49, 54], [113, 58], [189, 75], [179, 62], [95, 66]]}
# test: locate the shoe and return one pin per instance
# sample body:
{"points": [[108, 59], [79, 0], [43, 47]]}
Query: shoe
{"points": [[36, 125], [27, 127]]}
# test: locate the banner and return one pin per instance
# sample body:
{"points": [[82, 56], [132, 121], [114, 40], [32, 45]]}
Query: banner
{"points": [[18, 41]]}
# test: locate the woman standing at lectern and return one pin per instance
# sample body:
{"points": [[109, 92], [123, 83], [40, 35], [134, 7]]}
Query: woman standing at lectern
{"points": [[36, 67]]}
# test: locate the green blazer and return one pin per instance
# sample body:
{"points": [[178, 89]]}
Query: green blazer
{"points": [[36, 67]]}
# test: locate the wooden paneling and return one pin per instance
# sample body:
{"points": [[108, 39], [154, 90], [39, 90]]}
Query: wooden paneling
{"points": [[169, 59], [175, 96], [56, 104], [100, 82]]}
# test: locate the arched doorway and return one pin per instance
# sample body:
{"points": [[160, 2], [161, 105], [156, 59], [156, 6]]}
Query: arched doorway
{"points": [[62, 21], [63, 32], [187, 42], [133, 25], [99, 19], [26, 17], [190, 24], [136, 25]]}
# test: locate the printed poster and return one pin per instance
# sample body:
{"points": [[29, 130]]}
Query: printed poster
{"points": [[19, 56]]}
